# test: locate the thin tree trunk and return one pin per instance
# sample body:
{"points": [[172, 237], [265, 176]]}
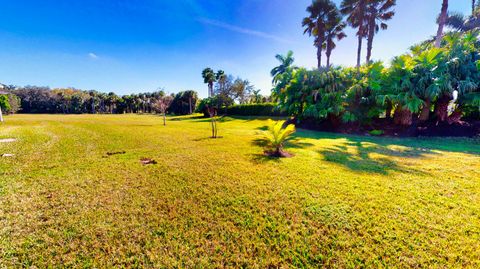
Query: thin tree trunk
{"points": [[320, 39], [328, 52], [371, 34], [441, 23], [328, 61], [1, 115], [319, 56], [216, 129], [359, 51], [473, 7], [210, 89], [164, 119], [213, 127], [360, 33], [190, 104]]}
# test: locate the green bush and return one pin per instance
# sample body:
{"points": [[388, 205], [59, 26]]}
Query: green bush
{"points": [[376, 132], [265, 109]]}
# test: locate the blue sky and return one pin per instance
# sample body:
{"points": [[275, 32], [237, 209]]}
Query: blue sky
{"points": [[129, 46]]}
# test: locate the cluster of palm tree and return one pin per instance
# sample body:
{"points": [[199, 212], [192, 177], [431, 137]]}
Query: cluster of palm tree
{"points": [[325, 22], [428, 84], [210, 77]]}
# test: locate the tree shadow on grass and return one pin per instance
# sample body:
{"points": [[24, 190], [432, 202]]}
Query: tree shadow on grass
{"points": [[291, 143], [358, 157], [185, 118], [416, 146], [206, 138], [263, 158]]}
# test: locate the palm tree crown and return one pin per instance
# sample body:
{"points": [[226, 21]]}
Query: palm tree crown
{"points": [[315, 24], [378, 12], [209, 77], [286, 64], [355, 10]]}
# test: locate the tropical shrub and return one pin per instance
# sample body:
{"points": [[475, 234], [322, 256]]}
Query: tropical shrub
{"points": [[4, 103], [426, 84], [276, 136]]}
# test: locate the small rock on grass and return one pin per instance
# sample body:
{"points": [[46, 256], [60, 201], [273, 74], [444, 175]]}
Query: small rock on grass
{"points": [[146, 161], [8, 155]]}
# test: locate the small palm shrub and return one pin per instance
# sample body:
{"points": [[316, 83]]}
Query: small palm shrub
{"points": [[276, 136]]}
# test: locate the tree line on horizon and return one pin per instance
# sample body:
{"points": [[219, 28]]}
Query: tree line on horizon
{"points": [[34, 99]]}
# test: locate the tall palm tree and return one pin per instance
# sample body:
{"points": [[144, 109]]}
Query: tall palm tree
{"points": [[378, 12], [315, 24], [355, 10], [286, 64], [334, 31], [459, 22], [221, 79], [209, 77], [441, 23], [473, 6]]}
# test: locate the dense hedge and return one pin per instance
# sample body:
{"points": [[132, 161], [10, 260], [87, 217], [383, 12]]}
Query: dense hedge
{"points": [[265, 109]]}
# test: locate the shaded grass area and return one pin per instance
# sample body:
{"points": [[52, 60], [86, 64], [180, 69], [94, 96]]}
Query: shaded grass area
{"points": [[342, 201]]}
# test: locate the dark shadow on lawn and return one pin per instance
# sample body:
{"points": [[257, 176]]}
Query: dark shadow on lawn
{"points": [[206, 138], [416, 146], [182, 118], [263, 158], [292, 143], [361, 161]]}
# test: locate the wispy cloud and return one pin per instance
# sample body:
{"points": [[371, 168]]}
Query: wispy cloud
{"points": [[243, 30], [92, 56]]}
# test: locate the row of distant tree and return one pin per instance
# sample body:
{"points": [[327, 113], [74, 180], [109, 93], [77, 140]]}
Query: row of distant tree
{"points": [[33, 99]]}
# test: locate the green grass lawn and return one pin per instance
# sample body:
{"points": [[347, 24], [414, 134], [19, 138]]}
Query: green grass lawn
{"points": [[342, 201]]}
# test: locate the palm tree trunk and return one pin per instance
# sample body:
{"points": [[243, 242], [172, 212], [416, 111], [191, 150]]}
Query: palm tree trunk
{"points": [[319, 56], [441, 108], [359, 51], [473, 6], [441, 23], [388, 110], [319, 43], [425, 113], [328, 61], [210, 89], [360, 32], [402, 116], [371, 34], [328, 53]]}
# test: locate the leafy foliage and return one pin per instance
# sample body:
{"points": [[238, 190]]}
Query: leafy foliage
{"points": [[428, 79]]}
